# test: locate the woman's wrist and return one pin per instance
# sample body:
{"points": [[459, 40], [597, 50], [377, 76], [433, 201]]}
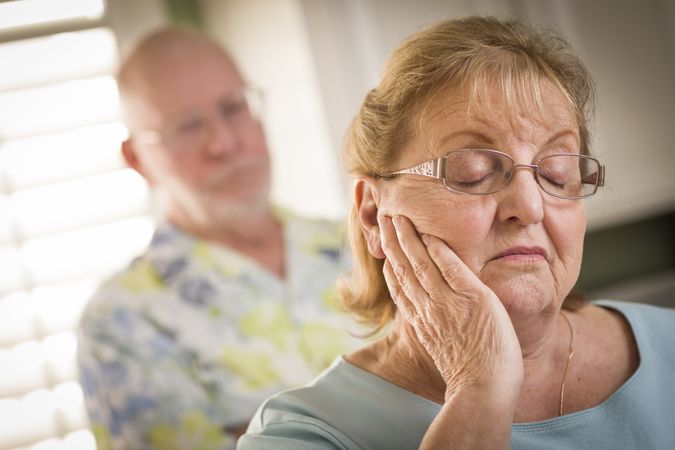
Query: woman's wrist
{"points": [[499, 385], [474, 417]]}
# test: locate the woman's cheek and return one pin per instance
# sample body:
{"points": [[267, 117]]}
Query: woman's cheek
{"points": [[463, 222], [464, 228], [566, 229]]}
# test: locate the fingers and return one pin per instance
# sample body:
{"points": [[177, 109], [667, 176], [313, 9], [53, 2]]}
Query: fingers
{"points": [[400, 263], [421, 263], [435, 276], [453, 270], [405, 306]]}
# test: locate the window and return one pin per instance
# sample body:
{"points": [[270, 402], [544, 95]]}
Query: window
{"points": [[70, 212]]}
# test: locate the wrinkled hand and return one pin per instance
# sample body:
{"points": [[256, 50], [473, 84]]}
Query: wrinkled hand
{"points": [[458, 320]]}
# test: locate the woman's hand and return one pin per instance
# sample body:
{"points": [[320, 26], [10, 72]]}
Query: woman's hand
{"points": [[464, 328], [459, 320]]}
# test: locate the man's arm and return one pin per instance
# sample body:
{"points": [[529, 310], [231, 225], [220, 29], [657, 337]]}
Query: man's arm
{"points": [[137, 391]]}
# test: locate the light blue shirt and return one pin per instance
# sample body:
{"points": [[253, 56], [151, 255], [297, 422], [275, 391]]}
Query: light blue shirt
{"points": [[349, 408]]}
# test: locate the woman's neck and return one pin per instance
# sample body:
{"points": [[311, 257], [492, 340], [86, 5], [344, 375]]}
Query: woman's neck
{"points": [[401, 359]]}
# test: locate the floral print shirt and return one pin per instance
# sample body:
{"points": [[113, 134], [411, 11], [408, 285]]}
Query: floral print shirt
{"points": [[193, 336]]}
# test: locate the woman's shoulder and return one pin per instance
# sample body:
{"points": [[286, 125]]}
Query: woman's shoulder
{"points": [[345, 407], [643, 317], [295, 418], [650, 328]]}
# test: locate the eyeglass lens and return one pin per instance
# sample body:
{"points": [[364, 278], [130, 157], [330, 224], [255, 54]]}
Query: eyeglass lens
{"points": [[193, 128], [487, 171]]}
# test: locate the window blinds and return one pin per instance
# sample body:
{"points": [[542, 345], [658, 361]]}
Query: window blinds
{"points": [[70, 212]]}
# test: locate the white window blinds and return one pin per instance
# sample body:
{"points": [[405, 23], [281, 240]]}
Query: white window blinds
{"points": [[70, 212]]}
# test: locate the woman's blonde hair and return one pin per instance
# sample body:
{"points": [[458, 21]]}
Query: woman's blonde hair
{"points": [[462, 54]]}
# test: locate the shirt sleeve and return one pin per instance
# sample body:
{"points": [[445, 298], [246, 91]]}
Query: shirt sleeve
{"points": [[139, 393]]}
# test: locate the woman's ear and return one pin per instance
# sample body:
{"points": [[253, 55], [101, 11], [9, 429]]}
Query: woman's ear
{"points": [[366, 199]]}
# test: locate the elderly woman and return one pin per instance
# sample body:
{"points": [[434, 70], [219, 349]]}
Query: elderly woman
{"points": [[472, 161]]}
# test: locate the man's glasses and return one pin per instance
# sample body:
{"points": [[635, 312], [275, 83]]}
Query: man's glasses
{"points": [[193, 129], [482, 172]]}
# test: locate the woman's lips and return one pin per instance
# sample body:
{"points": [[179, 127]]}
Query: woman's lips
{"points": [[522, 253]]}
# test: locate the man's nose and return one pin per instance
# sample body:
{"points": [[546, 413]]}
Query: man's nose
{"points": [[222, 139]]}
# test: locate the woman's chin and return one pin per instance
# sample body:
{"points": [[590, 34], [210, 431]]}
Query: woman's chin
{"points": [[522, 295]]}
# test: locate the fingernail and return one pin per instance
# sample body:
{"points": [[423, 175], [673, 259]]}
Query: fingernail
{"points": [[426, 239]]}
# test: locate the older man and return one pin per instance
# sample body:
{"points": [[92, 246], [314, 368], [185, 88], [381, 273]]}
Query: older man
{"points": [[232, 300]]}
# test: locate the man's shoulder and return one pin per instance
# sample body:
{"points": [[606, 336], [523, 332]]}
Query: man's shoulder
{"points": [[116, 290]]}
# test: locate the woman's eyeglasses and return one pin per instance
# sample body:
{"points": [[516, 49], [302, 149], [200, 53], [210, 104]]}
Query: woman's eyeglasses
{"points": [[482, 172]]}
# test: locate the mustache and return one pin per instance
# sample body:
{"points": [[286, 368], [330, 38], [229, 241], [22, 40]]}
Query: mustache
{"points": [[236, 172]]}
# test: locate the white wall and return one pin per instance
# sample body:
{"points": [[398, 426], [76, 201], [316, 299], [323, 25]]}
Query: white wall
{"points": [[269, 40], [131, 20], [629, 47], [318, 58]]}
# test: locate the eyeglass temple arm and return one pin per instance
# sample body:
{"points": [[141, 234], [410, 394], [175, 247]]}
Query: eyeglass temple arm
{"points": [[433, 168], [147, 136], [596, 178]]}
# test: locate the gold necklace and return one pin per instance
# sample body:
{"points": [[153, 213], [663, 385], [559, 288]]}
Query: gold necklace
{"points": [[567, 364]]}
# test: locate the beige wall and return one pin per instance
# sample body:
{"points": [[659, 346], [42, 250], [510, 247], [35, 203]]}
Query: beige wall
{"points": [[269, 40]]}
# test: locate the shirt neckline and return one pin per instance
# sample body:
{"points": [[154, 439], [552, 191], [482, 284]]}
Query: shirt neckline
{"points": [[555, 422]]}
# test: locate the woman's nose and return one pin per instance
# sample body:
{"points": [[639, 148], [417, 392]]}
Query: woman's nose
{"points": [[521, 201]]}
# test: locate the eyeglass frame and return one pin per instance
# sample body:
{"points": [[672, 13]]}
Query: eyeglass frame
{"points": [[156, 136], [434, 168]]}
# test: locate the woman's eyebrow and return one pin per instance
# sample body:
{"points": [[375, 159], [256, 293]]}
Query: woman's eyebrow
{"points": [[474, 134], [564, 133]]}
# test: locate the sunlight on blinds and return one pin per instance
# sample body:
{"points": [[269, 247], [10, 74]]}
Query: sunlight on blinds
{"points": [[6, 230], [55, 317], [33, 12], [35, 364], [71, 213], [84, 201], [62, 57], [80, 440], [42, 414], [56, 107], [85, 252], [16, 321], [11, 276], [26, 315], [63, 155]]}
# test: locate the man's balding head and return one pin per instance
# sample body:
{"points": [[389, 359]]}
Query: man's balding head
{"points": [[166, 63], [207, 156]]}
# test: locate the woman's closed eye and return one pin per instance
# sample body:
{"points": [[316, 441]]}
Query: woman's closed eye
{"points": [[472, 179], [557, 175], [473, 171]]}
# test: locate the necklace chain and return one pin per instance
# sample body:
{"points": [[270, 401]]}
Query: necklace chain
{"points": [[567, 364]]}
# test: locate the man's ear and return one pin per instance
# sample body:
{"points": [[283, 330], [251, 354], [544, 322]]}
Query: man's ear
{"points": [[130, 155], [366, 199]]}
